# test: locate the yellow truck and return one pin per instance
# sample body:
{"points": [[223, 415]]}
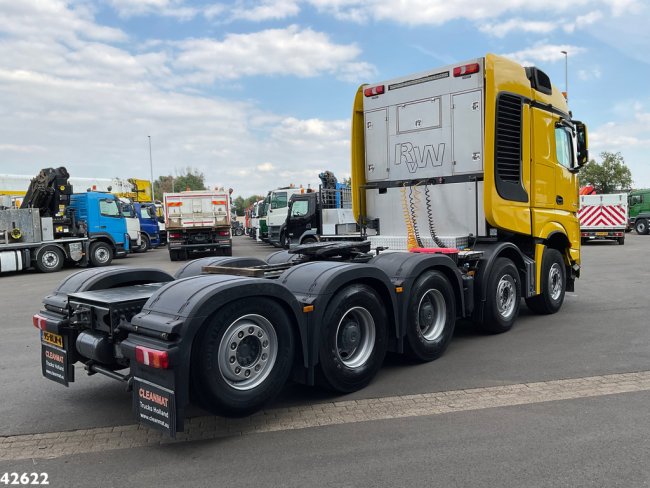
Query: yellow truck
{"points": [[464, 185]]}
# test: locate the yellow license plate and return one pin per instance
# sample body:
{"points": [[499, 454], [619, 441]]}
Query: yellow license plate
{"points": [[54, 339], [601, 233]]}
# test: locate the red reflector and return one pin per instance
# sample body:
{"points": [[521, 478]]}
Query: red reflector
{"points": [[468, 69], [374, 90], [39, 322], [174, 235], [151, 357], [224, 233]]}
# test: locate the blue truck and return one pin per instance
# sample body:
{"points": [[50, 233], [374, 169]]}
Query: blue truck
{"points": [[105, 225], [149, 227]]}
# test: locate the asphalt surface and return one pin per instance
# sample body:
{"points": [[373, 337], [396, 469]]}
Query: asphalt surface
{"points": [[601, 329]]}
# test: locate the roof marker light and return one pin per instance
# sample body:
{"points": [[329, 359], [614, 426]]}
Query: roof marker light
{"points": [[374, 90], [467, 69]]}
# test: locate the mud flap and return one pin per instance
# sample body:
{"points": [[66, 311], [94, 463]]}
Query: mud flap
{"points": [[154, 406]]}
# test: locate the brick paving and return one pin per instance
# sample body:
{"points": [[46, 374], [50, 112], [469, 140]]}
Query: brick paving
{"points": [[57, 444]]}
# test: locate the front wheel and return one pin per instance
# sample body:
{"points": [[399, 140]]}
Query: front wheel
{"points": [[145, 245], [641, 227], [353, 339], [101, 254], [431, 317], [553, 284], [503, 297], [243, 356]]}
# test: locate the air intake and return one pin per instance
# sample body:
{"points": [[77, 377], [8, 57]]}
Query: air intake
{"points": [[507, 151]]}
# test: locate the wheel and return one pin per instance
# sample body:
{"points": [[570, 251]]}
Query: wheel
{"points": [[101, 254], [641, 227], [49, 259], [173, 255], [431, 317], [239, 231], [553, 284], [353, 339], [584, 240], [145, 245], [309, 240], [284, 241], [621, 241], [503, 297], [242, 357], [227, 251]]}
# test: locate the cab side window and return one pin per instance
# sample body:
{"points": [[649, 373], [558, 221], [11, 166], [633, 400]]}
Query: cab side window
{"points": [[299, 208], [109, 208], [564, 146]]}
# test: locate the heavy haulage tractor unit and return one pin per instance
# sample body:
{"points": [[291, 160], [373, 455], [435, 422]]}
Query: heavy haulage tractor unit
{"points": [[470, 167]]}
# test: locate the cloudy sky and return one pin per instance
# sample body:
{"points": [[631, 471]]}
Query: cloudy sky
{"points": [[258, 94]]}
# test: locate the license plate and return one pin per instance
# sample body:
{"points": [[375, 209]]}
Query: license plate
{"points": [[52, 338], [601, 233]]}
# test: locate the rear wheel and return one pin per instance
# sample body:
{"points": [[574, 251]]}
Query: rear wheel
{"points": [[243, 357], [641, 227], [431, 317], [621, 241], [353, 339], [309, 240], [553, 284], [49, 259], [503, 297], [101, 254]]}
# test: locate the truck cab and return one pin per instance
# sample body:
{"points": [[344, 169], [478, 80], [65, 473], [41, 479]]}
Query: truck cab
{"points": [[277, 212], [149, 226], [639, 208], [105, 224], [132, 223]]}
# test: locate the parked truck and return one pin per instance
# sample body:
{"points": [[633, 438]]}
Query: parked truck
{"points": [[639, 208], [277, 212], [197, 222], [486, 151], [321, 215], [603, 217], [149, 226]]}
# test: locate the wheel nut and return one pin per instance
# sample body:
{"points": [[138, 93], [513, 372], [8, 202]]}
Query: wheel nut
{"points": [[259, 334], [237, 370], [264, 356], [265, 344], [257, 367], [233, 346], [241, 334], [251, 330], [232, 359], [247, 373]]}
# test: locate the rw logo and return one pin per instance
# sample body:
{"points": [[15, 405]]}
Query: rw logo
{"points": [[416, 157]]}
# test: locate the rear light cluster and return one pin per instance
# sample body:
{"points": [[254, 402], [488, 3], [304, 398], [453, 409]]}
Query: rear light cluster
{"points": [[224, 232], [467, 69], [174, 235], [152, 357], [39, 322], [374, 90]]}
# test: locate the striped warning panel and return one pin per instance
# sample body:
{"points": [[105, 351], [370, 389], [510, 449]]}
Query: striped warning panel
{"points": [[602, 216]]}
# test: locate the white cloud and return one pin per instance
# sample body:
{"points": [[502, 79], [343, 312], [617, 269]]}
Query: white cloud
{"points": [[265, 167], [166, 8], [291, 51], [590, 74], [516, 24], [266, 10], [544, 53], [21, 149]]}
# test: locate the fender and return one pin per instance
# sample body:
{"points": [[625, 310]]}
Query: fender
{"points": [[404, 269], [491, 252], [180, 308], [315, 283], [101, 236], [193, 268], [101, 279], [281, 257], [308, 233]]}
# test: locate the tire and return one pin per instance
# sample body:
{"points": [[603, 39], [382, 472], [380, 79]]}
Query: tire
{"points": [[226, 251], [284, 241], [553, 284], [173, 255], [354, 315], [101, 254], [584, 240], [219, 372], [145, 245], [503, 297], [641, 227], [431, 317], [309, 240], [50, 259], [621, 241]]}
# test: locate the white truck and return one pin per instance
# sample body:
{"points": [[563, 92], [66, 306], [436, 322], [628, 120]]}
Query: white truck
{"points": [[278, 211], [197, 222], [132, 223], [603, 217]]}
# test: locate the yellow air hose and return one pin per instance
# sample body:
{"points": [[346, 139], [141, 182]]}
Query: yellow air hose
{"points": [[411, 241]]}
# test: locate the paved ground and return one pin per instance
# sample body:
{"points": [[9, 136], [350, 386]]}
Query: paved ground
{"points": [[548, 404]]}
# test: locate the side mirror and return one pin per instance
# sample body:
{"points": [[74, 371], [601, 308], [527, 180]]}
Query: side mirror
{"points": [[582, 143]]}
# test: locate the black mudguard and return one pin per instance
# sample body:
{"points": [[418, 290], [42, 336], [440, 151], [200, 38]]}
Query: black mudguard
{"points": [[179, 309], [404, 269], [314, 283]]}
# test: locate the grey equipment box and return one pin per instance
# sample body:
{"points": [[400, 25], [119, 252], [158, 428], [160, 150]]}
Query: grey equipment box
{"points": [[21, 225]]}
